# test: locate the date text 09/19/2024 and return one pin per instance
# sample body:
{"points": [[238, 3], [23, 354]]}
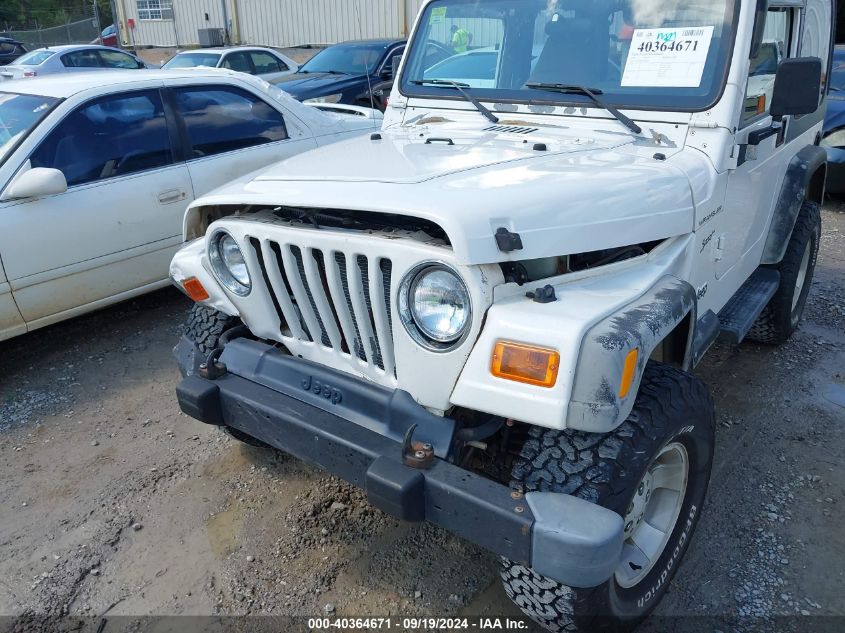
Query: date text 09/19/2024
{"points": [[417, 623]]}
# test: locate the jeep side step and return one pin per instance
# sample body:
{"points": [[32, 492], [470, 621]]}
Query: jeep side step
{"points": [[737, 317]]}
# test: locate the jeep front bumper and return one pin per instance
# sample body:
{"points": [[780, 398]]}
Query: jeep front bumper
{"points": [[354, 429]]}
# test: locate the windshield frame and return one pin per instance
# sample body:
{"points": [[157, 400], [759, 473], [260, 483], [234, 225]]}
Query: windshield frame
{"points": [[538, 97], [57, 101]]}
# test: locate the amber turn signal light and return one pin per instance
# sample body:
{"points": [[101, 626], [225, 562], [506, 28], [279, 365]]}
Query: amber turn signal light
{"points": [[628, 372], [525, 363], [194, 289]]}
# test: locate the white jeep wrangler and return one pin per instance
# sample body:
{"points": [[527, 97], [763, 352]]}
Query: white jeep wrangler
{"points": [[486, 314]]}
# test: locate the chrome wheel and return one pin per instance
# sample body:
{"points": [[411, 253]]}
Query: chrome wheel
{"points": [[652, 514], [802, 275]]}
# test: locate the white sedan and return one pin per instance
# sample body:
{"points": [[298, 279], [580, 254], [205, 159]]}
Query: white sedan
{"points": [[96, 171], [261, 62], [71, 58]]}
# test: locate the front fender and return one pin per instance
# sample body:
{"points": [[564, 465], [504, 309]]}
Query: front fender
{"points": [[596, 320], [596, 405], [191, 261]]}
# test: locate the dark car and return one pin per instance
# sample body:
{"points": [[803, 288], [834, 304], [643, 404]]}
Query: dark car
{"points": [[834, 125], [10, 50], [347, 73]]}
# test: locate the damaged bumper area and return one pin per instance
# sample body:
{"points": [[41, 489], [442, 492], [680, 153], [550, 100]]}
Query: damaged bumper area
{"points": [[368, 434]]}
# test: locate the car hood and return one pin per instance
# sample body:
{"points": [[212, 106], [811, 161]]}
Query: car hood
{"points": [[580, 194], [308, 85]]}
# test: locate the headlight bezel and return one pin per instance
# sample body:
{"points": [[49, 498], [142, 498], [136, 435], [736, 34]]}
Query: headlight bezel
{"points": [[221, 270], [405, 300]]}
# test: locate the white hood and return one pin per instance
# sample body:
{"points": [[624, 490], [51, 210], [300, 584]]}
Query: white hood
{"points": [[579, 194]]}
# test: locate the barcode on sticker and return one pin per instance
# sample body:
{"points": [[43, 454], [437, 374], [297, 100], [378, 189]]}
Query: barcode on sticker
{"points": [[692, 33]]}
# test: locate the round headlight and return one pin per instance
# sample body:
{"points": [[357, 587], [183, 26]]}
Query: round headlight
{"points": [[436, 304], [229, 264]]}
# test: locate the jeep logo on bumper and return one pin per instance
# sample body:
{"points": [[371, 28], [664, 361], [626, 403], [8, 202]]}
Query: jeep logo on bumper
{"points": [[322, 389]]}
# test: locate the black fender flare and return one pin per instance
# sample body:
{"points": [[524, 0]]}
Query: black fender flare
{"points": [[804, 180]]}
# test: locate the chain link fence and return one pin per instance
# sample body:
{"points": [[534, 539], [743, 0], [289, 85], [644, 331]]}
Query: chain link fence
{"points": [[79, 32]]}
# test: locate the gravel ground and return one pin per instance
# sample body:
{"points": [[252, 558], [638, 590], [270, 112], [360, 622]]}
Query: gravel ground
{"points": [[113, 502]]}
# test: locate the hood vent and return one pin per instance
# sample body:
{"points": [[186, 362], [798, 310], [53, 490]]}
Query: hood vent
{"points": [[512, 129]]}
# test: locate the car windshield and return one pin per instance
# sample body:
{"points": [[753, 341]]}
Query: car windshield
{"points": [[35, 58], [653, 54], [192, 60], [19, 115], [349, 59]]}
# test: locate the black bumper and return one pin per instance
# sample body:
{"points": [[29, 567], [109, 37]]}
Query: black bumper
{"points": [[354, 430], [468, 505]]}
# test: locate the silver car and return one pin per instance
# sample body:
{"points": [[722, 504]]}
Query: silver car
{"points": [[262, 62], [70, 58]]}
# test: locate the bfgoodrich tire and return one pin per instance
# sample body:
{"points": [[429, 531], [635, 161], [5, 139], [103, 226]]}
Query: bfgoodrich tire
{"points": [[205, 327], [780, 318], [653, 470]]}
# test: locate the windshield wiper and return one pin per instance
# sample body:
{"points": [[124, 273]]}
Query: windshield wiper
{"points": [[592, 93], [460, 88]]}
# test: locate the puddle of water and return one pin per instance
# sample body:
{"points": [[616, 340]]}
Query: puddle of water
{"points": [[223, 529], [835, 393]]}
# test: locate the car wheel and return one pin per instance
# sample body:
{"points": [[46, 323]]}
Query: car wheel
{"points": [[653, 470]]}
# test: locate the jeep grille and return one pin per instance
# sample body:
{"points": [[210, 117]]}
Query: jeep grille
{"points": [[335, 299]]}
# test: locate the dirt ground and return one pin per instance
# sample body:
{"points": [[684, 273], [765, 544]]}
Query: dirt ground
{"points": [[114, 503]]}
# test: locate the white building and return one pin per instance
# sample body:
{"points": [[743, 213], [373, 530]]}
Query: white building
{"points": [[279, 23]]}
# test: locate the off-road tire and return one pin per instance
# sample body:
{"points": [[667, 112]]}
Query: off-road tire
{"points": [[671, 407], [205, 327], [779, 319]]}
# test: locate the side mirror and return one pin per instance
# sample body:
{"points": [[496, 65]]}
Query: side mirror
{"points": [[798, 87], [36, 183]]}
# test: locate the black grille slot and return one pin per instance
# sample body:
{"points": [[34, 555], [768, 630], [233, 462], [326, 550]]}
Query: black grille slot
{"points": [[278, 252], [357, 345], [319, 259], [256, 246], [297, 255], [386, 270], [375, 344]]}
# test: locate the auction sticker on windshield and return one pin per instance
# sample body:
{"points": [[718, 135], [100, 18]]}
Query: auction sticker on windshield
{"points": [[668, 58]]}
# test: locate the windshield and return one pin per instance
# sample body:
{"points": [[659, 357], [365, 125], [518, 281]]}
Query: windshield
{"points": [[651, 54], [19, 114], [34, 58], [192, 60], [349, 59]]}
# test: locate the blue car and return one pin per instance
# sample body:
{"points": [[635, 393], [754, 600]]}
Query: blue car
{"points": [[352, 72], [834, 125]]}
